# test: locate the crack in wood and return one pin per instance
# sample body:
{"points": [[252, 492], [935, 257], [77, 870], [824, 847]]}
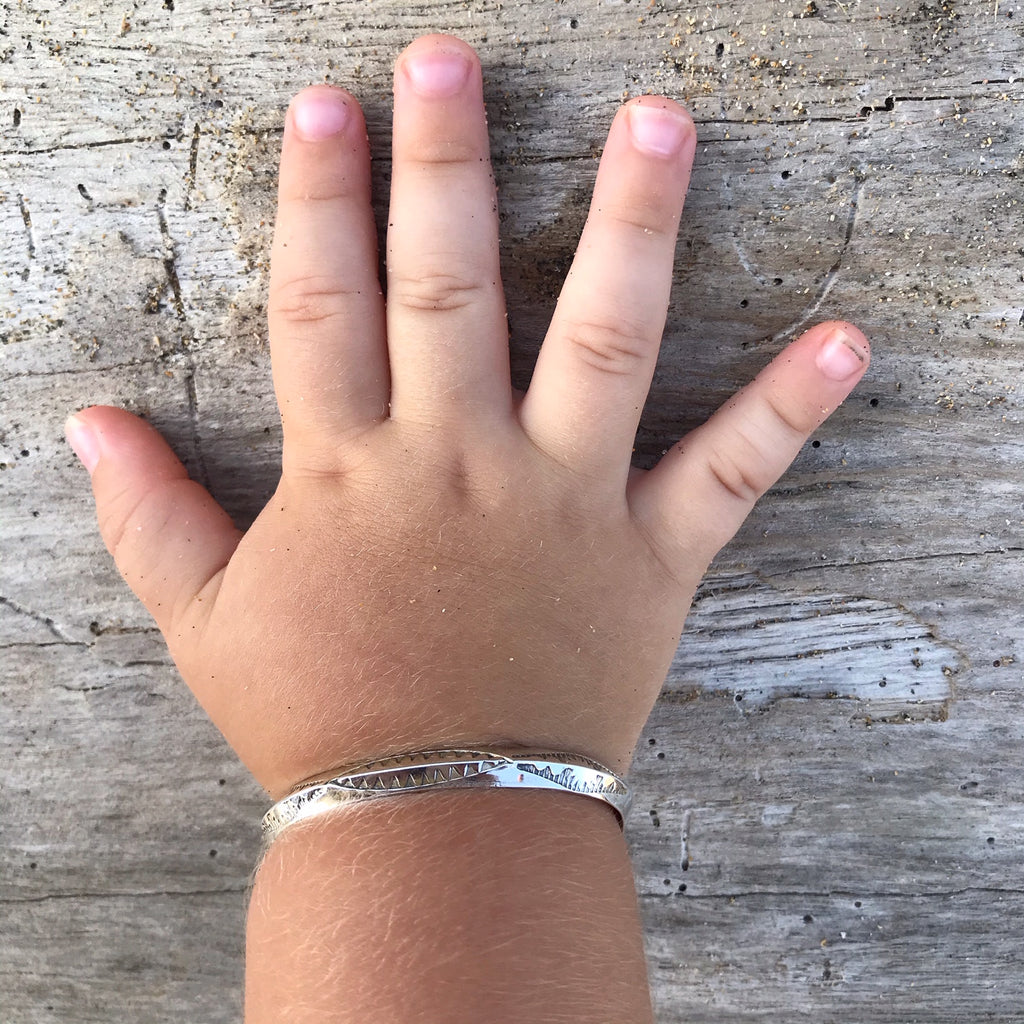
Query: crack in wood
{"points": [[119, 630], [684, 840], [74, 371], [144, 894], [867, 562], [888, 106], [72, 146], [858, 894], [27, 219], [171, 270], [169, 259], [193, 417], [52, 643], [43, 620], [193, 163]]}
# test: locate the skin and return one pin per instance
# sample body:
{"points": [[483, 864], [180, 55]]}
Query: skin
{"points": [[447, 562]]}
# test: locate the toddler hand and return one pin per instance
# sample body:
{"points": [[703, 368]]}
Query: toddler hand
{"points": [[446, 562]]}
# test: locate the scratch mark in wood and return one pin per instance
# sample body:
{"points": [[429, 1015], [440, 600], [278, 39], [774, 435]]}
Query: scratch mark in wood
{"points": [[741, 253], [745, 262], [830, 276]]}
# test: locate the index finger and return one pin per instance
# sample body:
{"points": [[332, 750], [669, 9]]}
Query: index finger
{"points": [[326, 308]]}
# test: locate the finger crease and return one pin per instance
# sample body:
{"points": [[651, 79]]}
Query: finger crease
{"points": [[612, 347], [436, 292], [734, 478]]}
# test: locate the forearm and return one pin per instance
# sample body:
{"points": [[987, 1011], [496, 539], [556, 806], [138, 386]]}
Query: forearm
{"points": [[448, 907]]}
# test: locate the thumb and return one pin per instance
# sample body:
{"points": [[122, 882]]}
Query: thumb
{"points": [[169, 538]]}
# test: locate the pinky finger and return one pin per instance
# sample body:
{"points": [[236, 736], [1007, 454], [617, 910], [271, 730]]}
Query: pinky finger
{"points": [[697, 497]]}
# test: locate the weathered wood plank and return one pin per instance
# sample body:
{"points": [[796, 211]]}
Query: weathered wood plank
{"points": [[807, 797], [94, 958], [836, 958], [856, 159]]}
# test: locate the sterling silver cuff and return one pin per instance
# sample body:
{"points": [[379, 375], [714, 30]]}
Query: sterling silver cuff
{"points": [[427, 770]]}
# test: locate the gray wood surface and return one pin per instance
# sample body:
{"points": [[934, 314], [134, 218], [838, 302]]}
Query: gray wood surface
{"points": [[830, 815]]}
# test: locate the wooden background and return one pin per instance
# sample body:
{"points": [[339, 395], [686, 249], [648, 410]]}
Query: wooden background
{"points": [[830, 815]]}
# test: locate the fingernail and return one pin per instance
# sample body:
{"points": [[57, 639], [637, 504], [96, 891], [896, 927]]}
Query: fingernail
{"points": [[318, 114], [657, 130], [840, 356], [438, 74], [83, 441]]}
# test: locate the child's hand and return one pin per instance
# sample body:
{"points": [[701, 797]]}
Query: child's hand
{"points": [[445, 562]]}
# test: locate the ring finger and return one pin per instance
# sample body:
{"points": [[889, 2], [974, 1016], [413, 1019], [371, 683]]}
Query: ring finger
{"points": [[596, 363]]}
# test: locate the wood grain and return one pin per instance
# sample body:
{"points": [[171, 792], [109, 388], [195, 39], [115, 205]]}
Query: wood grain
{"points": [[810, 844]]}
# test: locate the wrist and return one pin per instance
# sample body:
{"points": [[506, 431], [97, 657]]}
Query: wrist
{"points": [[432, 771], [497, 904]]}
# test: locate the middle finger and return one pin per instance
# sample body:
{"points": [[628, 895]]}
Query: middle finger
{"points": [[447, 335]]}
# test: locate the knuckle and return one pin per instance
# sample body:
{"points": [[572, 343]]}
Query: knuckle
{"points": [[436, 292], [114, 530], [124, 520], [444, 153], [670, 556], [308, 300], [316, 190], [644, 220], [742, 478], [614, 345], [793, 419]]}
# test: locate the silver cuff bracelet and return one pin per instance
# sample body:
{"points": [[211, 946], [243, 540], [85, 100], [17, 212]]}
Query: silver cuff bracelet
{"points": [[426, 770]]}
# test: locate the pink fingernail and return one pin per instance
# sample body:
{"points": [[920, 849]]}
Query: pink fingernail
{"points": [[84, 442], [317, 114], [437, 75], [657, 130], [840, 357]]}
